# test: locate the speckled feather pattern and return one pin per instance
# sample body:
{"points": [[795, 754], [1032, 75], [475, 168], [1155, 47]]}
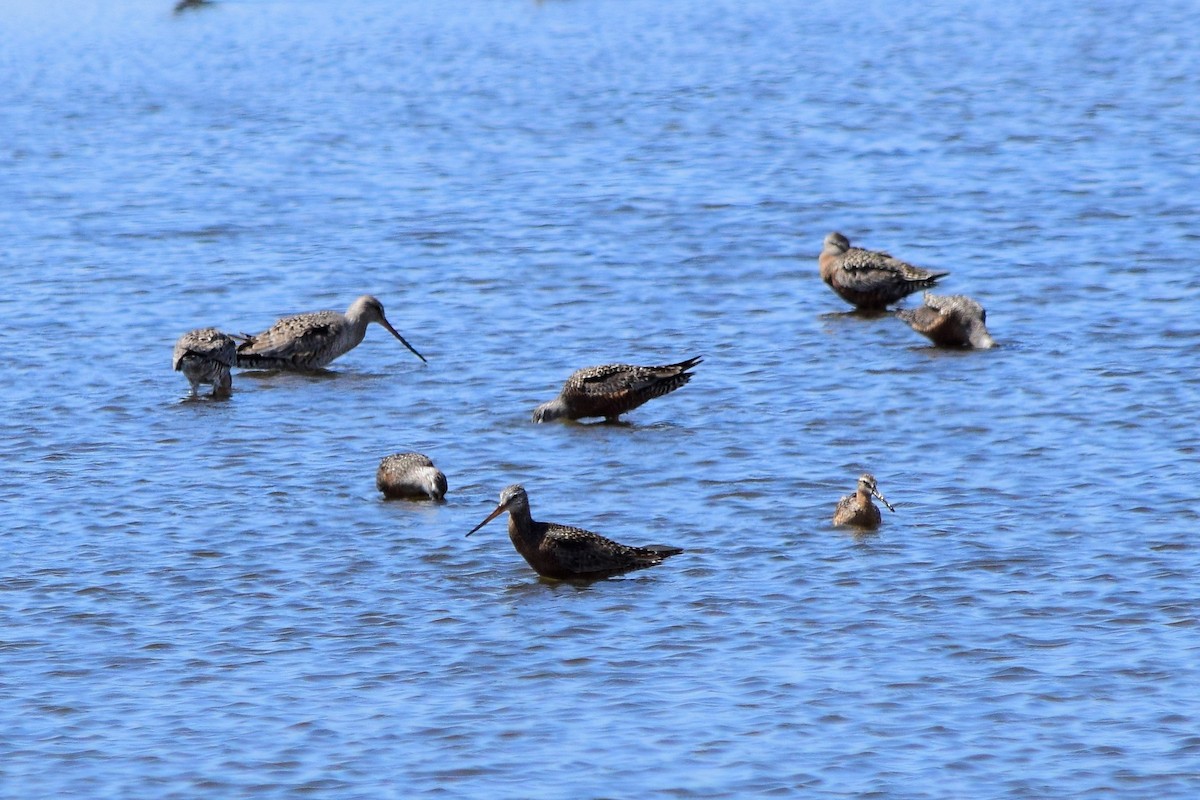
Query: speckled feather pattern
{"points": [[953, 320], [301, 341], [410, 476], [870, 280], [312, 340], [610, 390], [851, 510], [562, 552], [857, 509], [204, 356]]}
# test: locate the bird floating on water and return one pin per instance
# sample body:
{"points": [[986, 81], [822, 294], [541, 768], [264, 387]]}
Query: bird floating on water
{"points": [[411, 476], [867, 279], [857, 509], [611, 390], [205, 356], [952, 320], [565, 553], [310, 341]]}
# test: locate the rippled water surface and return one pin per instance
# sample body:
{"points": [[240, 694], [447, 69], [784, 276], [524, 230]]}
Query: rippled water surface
{"points": [[208, 598]]}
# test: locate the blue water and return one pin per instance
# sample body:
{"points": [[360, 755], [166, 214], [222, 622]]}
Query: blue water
{"points": [[209, 599]]}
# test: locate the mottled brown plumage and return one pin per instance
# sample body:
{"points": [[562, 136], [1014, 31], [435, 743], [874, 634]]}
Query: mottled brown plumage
{"points": [[565, 553], [857, 509], [205, 356], [410, 476], [870, 280], [952, 320], [611, 390], [310, 341]]}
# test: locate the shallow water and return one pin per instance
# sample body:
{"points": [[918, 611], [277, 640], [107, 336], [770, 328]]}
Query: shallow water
{"points": [[210, 599]]}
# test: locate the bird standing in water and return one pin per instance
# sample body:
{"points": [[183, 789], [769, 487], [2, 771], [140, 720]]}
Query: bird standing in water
{"points": [[565, 553], [205, 356], [867, 279], [952, 320], [411, 476], [611, 390], [857, 509], [310, 341]]}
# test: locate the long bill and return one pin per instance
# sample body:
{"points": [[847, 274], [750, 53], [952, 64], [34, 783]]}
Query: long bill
{"points": [[500, 509], [883, 500], [403, 341]]}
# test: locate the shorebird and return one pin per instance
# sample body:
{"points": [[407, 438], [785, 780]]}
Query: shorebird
{"points": [[951, 320], [857, 509], [564, 553], [612, 389], [310, 341], [411, 476], [867, 279], [205, 356]]}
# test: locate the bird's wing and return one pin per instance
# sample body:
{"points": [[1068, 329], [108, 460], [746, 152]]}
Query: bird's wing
{"points": [[293, 337]]}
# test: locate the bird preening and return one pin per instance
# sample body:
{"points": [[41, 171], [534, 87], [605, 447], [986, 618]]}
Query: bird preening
{"points": [[205, 356], [297, 343], [952, 320]]}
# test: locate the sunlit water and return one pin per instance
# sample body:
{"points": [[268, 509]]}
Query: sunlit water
{"points": [[210, 599]]}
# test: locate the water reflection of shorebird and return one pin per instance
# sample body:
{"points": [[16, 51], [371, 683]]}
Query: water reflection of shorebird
{"points": [[611, 390], [410, 476], [185, 5], [310, 341], [857, 509], [952, 320], [867, 279], [205, 356], [565, 553]]}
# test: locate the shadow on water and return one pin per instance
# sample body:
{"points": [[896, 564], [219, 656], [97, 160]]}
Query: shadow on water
{"points": [[203, 399], [935, 351], [191, 5], [415, 502], [259, 374], [855, 314]]}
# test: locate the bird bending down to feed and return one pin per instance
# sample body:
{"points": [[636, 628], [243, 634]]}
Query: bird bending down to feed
{"points": [[310, 341], [565, 553], [867, 279], [611, 390], [951, 320], [205, 356], [411, 476], [857, 509]]}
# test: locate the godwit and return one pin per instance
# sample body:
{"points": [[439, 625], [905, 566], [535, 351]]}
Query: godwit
{"points": [[411, 476], [564, 553], [310, 341], [870, 280], [857, 509], [952, 320], [205, 356], [612, 389]]}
